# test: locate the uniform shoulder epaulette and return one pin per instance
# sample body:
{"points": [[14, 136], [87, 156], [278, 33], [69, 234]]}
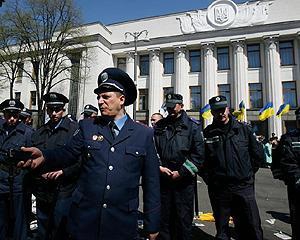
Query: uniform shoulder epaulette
{"points": [[99, 120], [194, 120], [142, 124], [293, 132]]}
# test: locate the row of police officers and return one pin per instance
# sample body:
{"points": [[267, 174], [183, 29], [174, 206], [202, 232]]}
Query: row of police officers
{"points": [[86, 177]]}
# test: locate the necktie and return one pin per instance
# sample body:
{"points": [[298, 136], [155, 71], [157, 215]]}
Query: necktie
{"points": [[114, 129]]}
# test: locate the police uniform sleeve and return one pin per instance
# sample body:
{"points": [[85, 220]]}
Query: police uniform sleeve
{"points": [[73, 170], [288, 160], [256, 150], [195, 159], [66, 155], [151, 187]]}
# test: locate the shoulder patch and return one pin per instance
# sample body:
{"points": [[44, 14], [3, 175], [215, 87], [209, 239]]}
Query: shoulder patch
{"points": [[195, 120], [76, 132]]}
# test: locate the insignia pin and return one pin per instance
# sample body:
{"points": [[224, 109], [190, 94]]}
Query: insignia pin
{"points": [[100, 138], [95, 137]]}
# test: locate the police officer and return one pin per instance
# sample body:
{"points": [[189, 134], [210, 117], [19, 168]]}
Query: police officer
{"points": [[232, 158], [90, 111], [26, 116], [180, 146], [53, 189], [155, 117], [289, 148], [13, 135], [117, 151]]}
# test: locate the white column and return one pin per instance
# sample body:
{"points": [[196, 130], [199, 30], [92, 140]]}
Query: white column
{"points": [[240, 85], [209, 86], [154, 82], [298, 68], [273, 84], [181, 74], [130, 72]]}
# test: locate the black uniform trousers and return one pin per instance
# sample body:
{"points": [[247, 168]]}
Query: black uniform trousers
{"points": [[239, 202], [294, 204], [177, 209]]}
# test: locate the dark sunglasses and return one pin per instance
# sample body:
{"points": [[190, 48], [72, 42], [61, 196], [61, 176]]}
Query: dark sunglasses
{"points": [[55, 109], [11, 114]]}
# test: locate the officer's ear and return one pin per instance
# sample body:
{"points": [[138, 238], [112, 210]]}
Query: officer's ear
{"points": [[122, 99]]}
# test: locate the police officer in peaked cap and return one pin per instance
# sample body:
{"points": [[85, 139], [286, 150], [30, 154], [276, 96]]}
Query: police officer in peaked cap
{"points": [[26, 116], [117, 151], [13, 135], [90, 111], [232, 157], [53, 188], [290, 167], [180, 146]]}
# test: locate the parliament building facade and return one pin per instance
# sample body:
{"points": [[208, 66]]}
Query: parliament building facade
{"points": [[248, 52]]}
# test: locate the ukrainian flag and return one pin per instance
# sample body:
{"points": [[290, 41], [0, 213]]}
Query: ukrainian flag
{"points": [[266, 112], [240, 114], [205, 112], [283, 109]]}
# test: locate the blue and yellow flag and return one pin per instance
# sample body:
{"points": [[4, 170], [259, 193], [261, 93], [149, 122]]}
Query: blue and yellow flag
{"points": [[240, 114], [283, 109], [266, 112], [205, 112]]}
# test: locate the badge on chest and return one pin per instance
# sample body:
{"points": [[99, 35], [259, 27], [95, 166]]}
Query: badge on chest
{"points": [[98, 138]]}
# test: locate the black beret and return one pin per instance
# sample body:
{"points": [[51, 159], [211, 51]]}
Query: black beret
{"points": [[11, 105], [26, 112], [54, 99], [297, 112], [89, 109], [116, 80], [218, 102], [172, 99]]}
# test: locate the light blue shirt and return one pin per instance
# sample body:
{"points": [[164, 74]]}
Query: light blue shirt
{"points": [[120, 123]]}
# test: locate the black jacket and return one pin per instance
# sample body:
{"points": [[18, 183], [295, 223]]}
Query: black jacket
{"points": [[47, 138], [231, 156], [290, 156], [178, 141]]}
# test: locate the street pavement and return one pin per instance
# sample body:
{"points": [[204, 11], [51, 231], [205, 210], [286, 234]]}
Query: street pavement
{"points": [[272, 201]]}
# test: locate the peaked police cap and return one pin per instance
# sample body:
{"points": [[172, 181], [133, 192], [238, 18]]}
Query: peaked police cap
{"points": [[116, 80]]}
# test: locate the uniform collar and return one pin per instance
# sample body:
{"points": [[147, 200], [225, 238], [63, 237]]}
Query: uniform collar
{"points": [[63, 123], [120, 122], [19, 127]]}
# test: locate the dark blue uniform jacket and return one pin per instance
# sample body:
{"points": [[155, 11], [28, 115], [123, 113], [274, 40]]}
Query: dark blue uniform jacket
{"points": [[20, 136], [106, 200], [233, 156]]}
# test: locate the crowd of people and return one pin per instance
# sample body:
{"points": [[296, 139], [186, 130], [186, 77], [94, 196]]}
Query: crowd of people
{"points": [[86, 175]]}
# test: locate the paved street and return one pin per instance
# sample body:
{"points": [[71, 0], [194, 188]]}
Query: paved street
{"points": [[272, 201]]}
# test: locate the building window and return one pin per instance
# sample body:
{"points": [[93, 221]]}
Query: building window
{"points": [[195, 98], [289, 93], [144, 65], [20, 72], [121, 63], [168, 63], [168, 90], [286, 50], [33, 98], [253, 53], [195, 60], [18, 96], [255, 95], [223, 58], [143, 99], [224, 89]]}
